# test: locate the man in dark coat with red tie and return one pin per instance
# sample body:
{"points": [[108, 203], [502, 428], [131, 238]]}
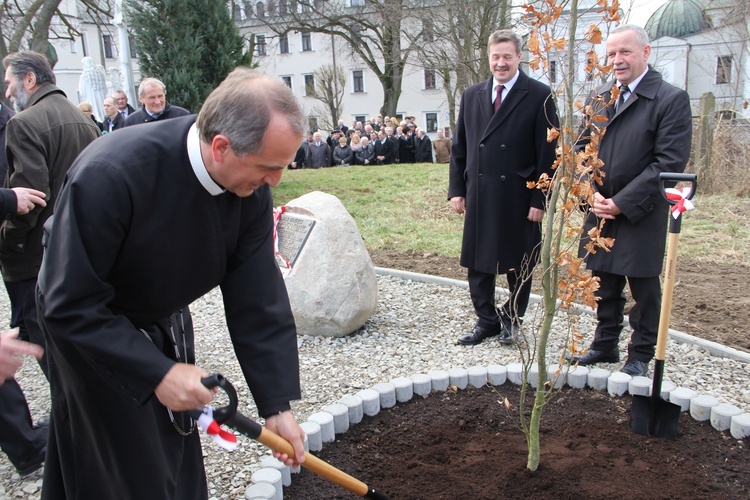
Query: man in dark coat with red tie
{"points": [[494, 155]]}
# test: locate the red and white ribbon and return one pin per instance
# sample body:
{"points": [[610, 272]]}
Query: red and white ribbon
{"points": [[223, 438], [285, 266], [681, 197]]}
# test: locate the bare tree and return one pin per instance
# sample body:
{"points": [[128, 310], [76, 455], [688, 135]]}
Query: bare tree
{"points": [[330, 82], [374, 30], [454, 42], [32, 24]]}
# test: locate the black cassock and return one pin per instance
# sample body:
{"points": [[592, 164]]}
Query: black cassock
{"points": [[135, 239]]}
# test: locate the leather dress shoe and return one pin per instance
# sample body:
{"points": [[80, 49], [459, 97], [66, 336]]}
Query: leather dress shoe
{"points": [[635, 368], [30, 466], [477, 335], [593, 356], [508, 335]]}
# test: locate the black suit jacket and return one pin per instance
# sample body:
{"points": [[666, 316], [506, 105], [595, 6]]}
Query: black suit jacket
{"points": [[493, 157], [117, 123], [387, 150], [141, 116]]}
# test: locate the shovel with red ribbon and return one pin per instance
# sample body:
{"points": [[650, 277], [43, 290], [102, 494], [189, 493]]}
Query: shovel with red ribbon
{"points": [[210, 419], [653, 416]]}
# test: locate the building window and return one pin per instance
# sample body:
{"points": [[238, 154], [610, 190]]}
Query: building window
{"points": [[430, 80], [238, 12], [260, 10], [284, 44], [73, 47], [108, 46], [309, 84], [723, 69], [85, 43], [287, 80], [312, 121], [428, 29], [271, 8], [432, 122], [306, 41], [553, 71], [133, 49], [358, 81], [355, 3], [260, 45], [360, 118], [306, 7], [283, 8]]}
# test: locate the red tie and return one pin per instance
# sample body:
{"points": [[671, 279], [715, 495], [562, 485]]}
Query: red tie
{"points": [[499, 96]]}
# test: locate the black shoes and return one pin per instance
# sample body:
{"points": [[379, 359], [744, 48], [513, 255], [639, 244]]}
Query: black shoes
{"points": [[29, 467], [477, 335], [592, 357], [507, 335], [635, 368]]}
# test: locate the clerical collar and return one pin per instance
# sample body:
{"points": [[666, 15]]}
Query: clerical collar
{"points": [[196, 161], [632, 85]]}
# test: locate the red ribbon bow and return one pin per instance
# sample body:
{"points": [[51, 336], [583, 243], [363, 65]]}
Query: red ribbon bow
{"points": [[681, 197]]}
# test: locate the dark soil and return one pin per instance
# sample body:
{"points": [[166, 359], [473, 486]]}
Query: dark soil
{"points": [[710, 300], [467, 445]]}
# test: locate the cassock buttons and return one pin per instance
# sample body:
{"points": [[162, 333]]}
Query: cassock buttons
{"points": [[502, 147], [502, 178], [481, 146]]}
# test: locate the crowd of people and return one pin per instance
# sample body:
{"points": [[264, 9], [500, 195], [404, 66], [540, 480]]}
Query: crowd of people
{"points": [[382, 141]]}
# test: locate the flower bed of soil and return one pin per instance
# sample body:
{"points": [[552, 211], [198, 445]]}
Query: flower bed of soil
{"points": [[467, 444]]}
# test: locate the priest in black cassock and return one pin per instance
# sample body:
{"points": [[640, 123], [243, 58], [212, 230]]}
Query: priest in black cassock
{"points": [[141, 231]]}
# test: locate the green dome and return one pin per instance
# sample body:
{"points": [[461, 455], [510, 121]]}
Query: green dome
{"points": [[677, 18]]}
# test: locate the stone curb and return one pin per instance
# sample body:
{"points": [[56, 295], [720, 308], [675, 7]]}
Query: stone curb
{"points": [[615, 383], [714, 348]]}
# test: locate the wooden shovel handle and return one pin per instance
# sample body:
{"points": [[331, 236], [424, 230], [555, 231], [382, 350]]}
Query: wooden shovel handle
{"points": [[313, 463], [666, 303]]}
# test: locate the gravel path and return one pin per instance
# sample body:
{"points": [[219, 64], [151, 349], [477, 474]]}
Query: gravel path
{"points": [[412, 331]]}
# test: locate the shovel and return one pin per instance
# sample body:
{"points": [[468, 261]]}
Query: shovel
{"points": [[653, 416], [228, 415]]}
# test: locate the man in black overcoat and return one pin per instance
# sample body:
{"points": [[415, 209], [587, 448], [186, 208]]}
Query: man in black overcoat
{"points": [[495, 153], [144, 226], [648, 132]]}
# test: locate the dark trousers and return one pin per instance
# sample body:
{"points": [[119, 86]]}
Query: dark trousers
{"points": [[19, 439], [22, 295], [482, 290], [644, 316]]}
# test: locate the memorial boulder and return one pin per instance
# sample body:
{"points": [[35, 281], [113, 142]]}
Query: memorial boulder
{"points": [[329, 275]]}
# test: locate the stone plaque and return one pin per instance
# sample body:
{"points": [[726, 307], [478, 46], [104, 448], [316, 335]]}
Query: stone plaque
{"points": [[292, 232]]}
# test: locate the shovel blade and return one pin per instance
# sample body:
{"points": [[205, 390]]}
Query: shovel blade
{"points": [[654, 417]]}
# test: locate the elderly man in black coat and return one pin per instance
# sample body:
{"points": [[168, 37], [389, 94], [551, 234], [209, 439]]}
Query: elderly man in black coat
{"points": [[649, 132], [500, 144]]}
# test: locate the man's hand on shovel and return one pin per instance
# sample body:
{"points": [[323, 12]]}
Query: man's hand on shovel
{"points": [[181, 388], [284, 425]]}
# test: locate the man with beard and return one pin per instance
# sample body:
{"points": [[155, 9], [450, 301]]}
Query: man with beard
{"points": [[42, 141], [500, 144]]}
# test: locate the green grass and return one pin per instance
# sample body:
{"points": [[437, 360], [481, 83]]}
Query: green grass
{"points": [[405, 207]]}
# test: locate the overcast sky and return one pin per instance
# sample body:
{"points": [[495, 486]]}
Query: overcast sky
{"points": [[641, 10]]}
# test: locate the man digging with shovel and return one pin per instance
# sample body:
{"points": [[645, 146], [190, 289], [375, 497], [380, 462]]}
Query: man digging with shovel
{"points": [[144, 226]]}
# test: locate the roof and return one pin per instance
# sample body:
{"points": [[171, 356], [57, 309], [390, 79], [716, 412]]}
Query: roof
{"points": [[678, 18]]}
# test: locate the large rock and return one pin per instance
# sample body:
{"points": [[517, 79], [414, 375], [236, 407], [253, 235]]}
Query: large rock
{"points": [[332, 284]]}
